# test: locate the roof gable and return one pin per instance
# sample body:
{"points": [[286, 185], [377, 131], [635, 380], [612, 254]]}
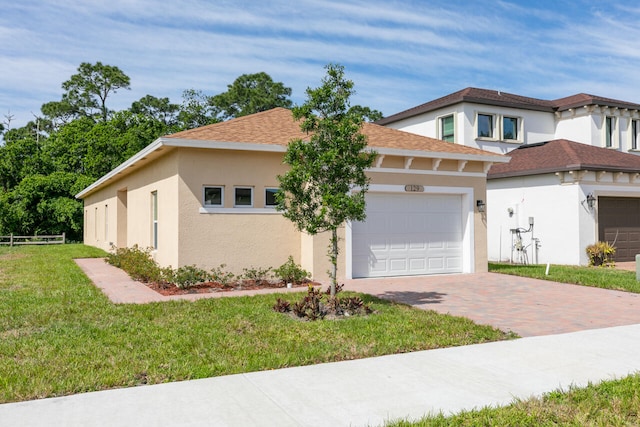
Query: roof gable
{"points": [[563, 155]]}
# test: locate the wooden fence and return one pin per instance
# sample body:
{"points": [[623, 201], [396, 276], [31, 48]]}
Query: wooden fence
{"points": [[54, 239]]}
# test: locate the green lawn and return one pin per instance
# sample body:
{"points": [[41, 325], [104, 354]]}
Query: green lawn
{"points": [[599, 277], [60, 335], [610, 403]]}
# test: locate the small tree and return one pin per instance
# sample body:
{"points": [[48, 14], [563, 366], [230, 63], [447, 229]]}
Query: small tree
{"points": [[326, 183]]}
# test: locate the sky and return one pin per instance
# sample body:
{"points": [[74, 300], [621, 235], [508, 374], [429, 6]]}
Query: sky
{"points": [[399, 54]]}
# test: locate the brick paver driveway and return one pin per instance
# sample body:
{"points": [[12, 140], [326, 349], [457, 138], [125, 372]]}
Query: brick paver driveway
{"points": [[528, 307]]}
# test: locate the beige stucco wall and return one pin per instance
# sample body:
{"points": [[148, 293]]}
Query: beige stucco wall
{"points": [[135, 220], [241, 238], [238, 237]]}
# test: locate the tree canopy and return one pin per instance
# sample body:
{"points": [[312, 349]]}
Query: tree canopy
{"points": [[79, 138], [326, 183], [249, 94]]}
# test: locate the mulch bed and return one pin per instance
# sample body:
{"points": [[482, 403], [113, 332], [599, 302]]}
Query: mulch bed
{"points": [[209, 287]]}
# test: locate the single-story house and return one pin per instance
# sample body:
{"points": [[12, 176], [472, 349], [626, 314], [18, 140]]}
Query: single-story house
{"points": [[555, 198], [205, 197]]}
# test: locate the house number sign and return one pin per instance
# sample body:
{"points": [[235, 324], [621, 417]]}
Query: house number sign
{"points": [[413, 188]]}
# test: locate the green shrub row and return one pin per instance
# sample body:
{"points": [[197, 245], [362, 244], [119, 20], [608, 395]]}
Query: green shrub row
{"points": [[141, 266]]}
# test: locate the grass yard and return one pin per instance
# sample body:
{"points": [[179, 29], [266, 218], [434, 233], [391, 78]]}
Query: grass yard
{"points": [[606, 278], [60, 335], [610, 403], [607, 404]]}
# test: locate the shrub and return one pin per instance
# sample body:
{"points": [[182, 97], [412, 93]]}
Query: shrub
{"points": [[137, 262], [282, 306], [189, 275], [310, 306], [256, 274], [313, 307], [290, 272], [219, 275], [601, 254]]}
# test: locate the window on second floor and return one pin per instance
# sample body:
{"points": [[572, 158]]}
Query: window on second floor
{"points": [[510, 128], [635, 128], [485, 126], [609, 131], [446, 130]]}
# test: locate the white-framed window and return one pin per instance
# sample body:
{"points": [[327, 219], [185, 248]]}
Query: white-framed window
{"points": [[446, 128], [243, 197], [485, 125], [635, 128], [154, 219], [270, 197], [511, 128], [213, 196], [609, 131]]}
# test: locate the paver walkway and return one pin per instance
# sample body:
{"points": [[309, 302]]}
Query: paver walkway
{"points": [[528, 307]]}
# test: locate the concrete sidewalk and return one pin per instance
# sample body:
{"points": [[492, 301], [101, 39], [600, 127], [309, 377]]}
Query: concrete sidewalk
{"points": [[355, 393]]}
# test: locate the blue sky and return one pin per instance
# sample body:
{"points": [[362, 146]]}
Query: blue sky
{"points": [[399, 53]]}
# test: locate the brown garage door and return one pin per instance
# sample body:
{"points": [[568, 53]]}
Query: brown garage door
{"points": [[619, 224]]}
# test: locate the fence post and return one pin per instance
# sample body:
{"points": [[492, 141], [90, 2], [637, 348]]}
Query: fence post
{"points": [[63, 237], [11, 241]]}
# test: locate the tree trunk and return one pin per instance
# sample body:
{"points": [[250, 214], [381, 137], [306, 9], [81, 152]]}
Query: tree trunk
{"points": [[334, 260]]}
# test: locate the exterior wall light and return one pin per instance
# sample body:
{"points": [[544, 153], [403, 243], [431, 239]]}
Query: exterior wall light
{"points": [[591, 200], [480, 204]]}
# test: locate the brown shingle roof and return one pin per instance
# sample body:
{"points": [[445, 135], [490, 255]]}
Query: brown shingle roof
{"points": [[504, 99], [277, 127], [477, 96], [563, 155], [582, 99]]}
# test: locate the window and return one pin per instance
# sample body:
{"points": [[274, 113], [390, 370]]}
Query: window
{"points": [[635, 128], [213, 196], [608, 135], [106, 222], [243, 197], [270, 197], [509, 128], [446, 129], [154, 218], [485, 126]]}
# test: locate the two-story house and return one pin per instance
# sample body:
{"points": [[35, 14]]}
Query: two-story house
{"points": [[574, 177]]}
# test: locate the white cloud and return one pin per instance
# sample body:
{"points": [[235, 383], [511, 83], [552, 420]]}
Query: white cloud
{"points": [[399, 53]]}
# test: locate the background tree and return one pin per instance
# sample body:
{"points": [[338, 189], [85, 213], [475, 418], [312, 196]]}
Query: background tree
{"points": [[195, 110], [43, 204], [160, 109], [367, 113], [249, 94], [87, 92], [326, 183]]}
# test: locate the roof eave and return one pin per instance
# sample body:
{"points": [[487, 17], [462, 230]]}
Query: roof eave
{"points": [[154, 146], [531, 172], [494, 158], [469, 99]]}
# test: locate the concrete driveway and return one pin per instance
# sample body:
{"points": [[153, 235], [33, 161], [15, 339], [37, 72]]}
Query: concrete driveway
{"points": [[528, 307]]}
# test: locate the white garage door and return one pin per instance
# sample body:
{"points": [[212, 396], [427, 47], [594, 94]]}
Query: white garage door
{"points": [[408, 234]]}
